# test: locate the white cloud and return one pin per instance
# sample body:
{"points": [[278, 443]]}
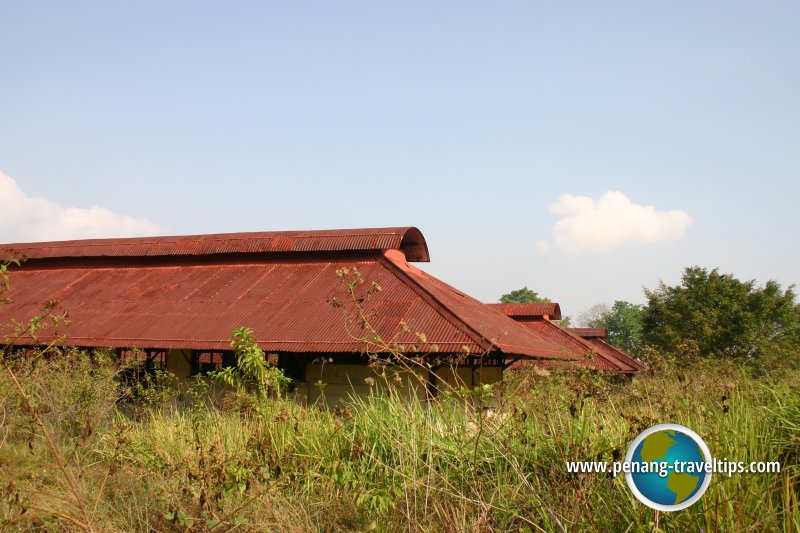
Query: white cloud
{"points": [[589, 225], [29, 218], [543, 246]]}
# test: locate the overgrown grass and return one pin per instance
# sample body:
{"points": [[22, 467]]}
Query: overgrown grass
{"points": [[389, 464]]}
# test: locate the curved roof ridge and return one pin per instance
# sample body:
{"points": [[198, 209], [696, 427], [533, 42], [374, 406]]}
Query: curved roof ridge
{"points": [[530, 310], [599, 333], [408, 239]]}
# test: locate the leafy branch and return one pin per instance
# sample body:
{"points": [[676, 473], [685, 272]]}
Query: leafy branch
{"points": [[252, 373]]}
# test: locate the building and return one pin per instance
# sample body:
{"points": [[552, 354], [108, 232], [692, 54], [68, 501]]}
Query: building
{"points": [[178, 299], [584, 345]]}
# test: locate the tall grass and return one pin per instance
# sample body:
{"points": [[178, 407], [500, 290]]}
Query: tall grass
{"points": [[392, 464]]}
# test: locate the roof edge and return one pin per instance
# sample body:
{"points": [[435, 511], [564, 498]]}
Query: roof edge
{"points": [[401, 267], [408, 239], [597, 333], [618, 357], [522, 311]]}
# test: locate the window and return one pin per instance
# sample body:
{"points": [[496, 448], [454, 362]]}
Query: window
{"points": [[208, 362]]}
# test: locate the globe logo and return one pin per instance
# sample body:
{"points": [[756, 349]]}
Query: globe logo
{"points": [[668, 467]]}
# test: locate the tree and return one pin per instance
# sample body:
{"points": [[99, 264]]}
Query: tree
{"points": [[624, 322], [527, 296], [722, 316], [589, 316], [522, 296]]}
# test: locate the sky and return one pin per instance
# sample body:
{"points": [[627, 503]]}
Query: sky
{"points": [[582, 149]]}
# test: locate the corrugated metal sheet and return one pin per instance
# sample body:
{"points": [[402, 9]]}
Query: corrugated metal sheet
{"points": [[579, 342], [587, 333], [487, 326], [571, 345], [595, 336], [532, 311], [593, 353], [611, 351], [408, 239], [292, 305]]}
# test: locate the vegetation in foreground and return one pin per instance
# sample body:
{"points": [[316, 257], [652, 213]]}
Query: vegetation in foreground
{"points": [[87, 444], [124, 457]]}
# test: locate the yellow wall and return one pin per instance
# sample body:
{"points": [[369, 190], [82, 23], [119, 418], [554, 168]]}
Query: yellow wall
{"points": [[178, 362], [488, 374], [469, 377], [343, 380]]}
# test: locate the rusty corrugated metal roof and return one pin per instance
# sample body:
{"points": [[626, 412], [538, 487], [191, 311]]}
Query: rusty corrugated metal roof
{"points": [[595, 336], [483, 321], [590, 333], [592, 352], [612, 351], [293, 302], [532, 311], [408, 239], [574, 345]]}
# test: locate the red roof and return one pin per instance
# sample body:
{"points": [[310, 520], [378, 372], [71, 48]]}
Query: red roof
{"points": [[595, 336], [481, 318], [590, 333], [530, 311], [582, 343], [611, 351], [407, 239], [596, 351], [191, 292]]}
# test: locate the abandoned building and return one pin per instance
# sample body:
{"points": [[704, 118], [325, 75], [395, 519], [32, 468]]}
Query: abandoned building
{"points": [[585, 345], [322, 306]]}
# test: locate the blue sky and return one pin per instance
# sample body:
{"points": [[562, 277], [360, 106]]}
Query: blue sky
{"points": [[470, 120]]}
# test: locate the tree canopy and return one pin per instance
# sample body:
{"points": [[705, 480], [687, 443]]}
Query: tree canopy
{"points": [[721, 316], [527, 296], [624, 322], [522, 296]]}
